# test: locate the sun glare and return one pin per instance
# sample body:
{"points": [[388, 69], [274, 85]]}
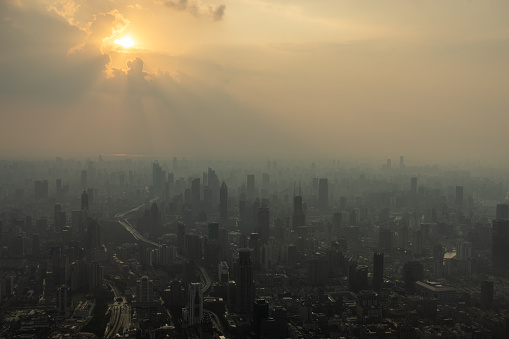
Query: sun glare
{"points": [[125, 42]]}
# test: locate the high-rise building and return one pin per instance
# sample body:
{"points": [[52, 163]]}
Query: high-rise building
{"points": [[223, 202], [401, 161], [244, 279], [144, 290], [250, 187], [378, 270], [93, 234], [323, 193], [298, 218], [389, 164], [500, 251], [64, 301], [260, 313], [84, 201], [195, 305], [459, 196], [158, 178]]}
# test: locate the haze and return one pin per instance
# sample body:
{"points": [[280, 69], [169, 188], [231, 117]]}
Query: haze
{"points": [[255, 78]]}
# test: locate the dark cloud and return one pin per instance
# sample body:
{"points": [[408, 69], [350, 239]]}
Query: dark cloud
{"points": [[198, 9]]}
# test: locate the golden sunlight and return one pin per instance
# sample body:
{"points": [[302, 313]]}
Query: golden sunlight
{"points": [[125, 42]]}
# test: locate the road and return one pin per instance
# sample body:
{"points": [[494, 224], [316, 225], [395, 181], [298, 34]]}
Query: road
{"points": [[120, 319], [121, 218]]}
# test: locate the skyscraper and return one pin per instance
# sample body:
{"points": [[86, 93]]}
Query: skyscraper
{"points": [[144, 290], [195, 305], [500, 252], [223, 202], [84, 201], [245, 288], [93, 234], [378, 270], [401, 161], [298, 218], [323, 193]]}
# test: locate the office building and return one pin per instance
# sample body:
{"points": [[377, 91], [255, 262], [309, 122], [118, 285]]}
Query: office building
{"points": [[244, 279], [195, 304]]}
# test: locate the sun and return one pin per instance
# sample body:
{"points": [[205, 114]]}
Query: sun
{"points": [[125, 42]]}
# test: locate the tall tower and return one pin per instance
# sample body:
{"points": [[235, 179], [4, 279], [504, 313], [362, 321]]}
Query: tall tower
{"points": [[378, 270], [144, 290], [223, 202], [195, 304], [500, 245], [298, 218], [323, 193], [401, 161], [84, 201], [245, 287]]}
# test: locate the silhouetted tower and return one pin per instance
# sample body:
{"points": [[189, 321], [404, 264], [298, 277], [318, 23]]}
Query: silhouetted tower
{"points": [[195, 303], [223, 202], [378, 270], [298, 218], [244, 279], [260, 313], [323, 193], [500, 252], [401, 161], [84, 201], [250, 187]]}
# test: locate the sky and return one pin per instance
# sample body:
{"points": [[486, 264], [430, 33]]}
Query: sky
{"points": [[428, 79]]}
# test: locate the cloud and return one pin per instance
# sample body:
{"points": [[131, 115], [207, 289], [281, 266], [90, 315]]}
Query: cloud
{"points": [[198, 9]]}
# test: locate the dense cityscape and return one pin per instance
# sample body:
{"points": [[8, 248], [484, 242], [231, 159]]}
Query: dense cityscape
{"points": [[138, 247]]}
